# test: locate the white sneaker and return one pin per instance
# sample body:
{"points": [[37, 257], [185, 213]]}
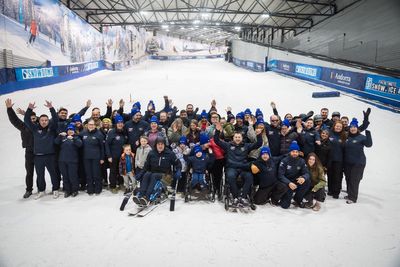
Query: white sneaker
{"points": [[56, 194], [39, 195]]}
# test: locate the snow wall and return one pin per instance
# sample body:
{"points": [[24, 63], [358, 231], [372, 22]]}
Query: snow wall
{"points": [[362, 83]]}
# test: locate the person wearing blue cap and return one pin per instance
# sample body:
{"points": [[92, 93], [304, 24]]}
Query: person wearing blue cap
{"points": [[68, 160], [294, 174], [247, 116], [199, 164], [354, 159], [236, 156], [135, 128], [116, 139], [259, 114], [265, 175], [240, 125]]}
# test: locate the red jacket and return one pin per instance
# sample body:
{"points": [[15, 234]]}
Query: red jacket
{"points": [[218, 151]]}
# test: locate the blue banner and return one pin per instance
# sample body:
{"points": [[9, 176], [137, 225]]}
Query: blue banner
{"points": [[183, 57], [349, 79], [80, 68], [383, 86], [23, 74], [247, 64], [308, 71]]}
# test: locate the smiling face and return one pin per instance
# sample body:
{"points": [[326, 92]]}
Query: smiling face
{"points": [[353, 130], [338, 127], [309, 124], [63, 114], [91, 125], [324, 135], [237, 138], [311, 161], [44, 121], [294, 153], [96, 114], [265, 157], [324, 113], [274, 120]]}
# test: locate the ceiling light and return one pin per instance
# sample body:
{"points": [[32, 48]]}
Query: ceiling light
{"points": [[265, 16], [182, 28], [196, 21], [164, 26], [217, 23], [237, 28]]}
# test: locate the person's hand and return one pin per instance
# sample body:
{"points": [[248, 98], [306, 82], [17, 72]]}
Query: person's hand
{"points": [[174, 128], [32, 105], [109, 102], [165, 97], [20, 111], [137, 143], [110, 160], [250, 121], [273, 105], [318, 142], [48, 104], [228, 109], [292, 186], [101, 161], [88, 103], [300, 180], [63, 134], [213, 103], [366, 113], [9, 103], [70, 137], [121, 103]]}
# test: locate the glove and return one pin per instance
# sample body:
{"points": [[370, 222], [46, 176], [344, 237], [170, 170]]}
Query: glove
{"points": [[178, 175], [366, 114]]}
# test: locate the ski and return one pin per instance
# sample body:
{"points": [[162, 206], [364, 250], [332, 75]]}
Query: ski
{"points": [[142, 211], [146, 211]]}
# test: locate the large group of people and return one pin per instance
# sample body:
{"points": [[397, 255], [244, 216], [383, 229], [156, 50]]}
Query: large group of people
{"points": [[281, 160]]}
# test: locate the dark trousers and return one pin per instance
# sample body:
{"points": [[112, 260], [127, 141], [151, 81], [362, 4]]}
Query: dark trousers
{"points": [[29, 168], [81, 173], [58, 171], [139, 173], [43, 162], [275, 192], [93, 176], [231, 178], [335, 177], [148, 183], [69, 171], [217, 172], [301, 190], [354, 173], [32, 38], [320, 195], [115, 178], [103, 170]]}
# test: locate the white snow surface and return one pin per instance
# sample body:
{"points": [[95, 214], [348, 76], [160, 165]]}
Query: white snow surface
{"points": [[91, 231]]}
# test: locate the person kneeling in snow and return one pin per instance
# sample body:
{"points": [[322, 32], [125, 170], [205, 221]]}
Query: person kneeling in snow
{"points": [[294, 173], [199, 163], [158, 165]]}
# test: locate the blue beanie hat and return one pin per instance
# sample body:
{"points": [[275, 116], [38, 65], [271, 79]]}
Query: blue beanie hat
{"points": [[136, 105], [354, 123], [294, 146], [118, 118], [71, 127], [259, 113], [154, 119], [265, 150], [134, 111], [183, 140], [240, 115], [204, 114], [76, 118], [247, 111], [204, 139], [286, 122], [259, 121], [197, 148], [151, 103]]}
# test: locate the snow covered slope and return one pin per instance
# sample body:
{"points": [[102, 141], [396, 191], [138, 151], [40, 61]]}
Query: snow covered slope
{"points": [[91, 231]]}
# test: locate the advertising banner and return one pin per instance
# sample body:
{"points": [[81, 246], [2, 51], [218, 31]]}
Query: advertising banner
{"points": [[308, 71], [344, 78], [383, 86], [23, 74]]}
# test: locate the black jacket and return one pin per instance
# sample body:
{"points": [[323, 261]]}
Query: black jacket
{"points": [[274, 139], [292, 168], [161, 162], [267, 175], [354, 148], [236, 155], [63, 124], [323, 152], [114, 142], [93, 146], [134, 130], [43, 138], [26, 133], [69, 148], [309, 137]]}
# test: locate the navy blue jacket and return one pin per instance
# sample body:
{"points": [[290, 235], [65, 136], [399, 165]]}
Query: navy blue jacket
{"points": [[236, 155], [337, 145], [43, 138], [161, 162], [93, 146], [354, 148], [309, 137], [200, 165], [268, 172], [114, 143], [69, 148], [26, 133], [323, 152], [134, 130], [62, 124], [292, 168], [274, 139]]}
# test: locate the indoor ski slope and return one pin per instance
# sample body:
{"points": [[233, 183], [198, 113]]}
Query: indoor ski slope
{"points": [[91, 231]]}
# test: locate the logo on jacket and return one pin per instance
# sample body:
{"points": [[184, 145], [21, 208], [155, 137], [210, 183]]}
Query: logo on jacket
{"points": [[85, 137], [117, 137], [289, 167], [130, 129]]}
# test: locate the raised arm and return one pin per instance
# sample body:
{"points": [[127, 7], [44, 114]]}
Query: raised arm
{"points": [[27, 117], [12, 116]]}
